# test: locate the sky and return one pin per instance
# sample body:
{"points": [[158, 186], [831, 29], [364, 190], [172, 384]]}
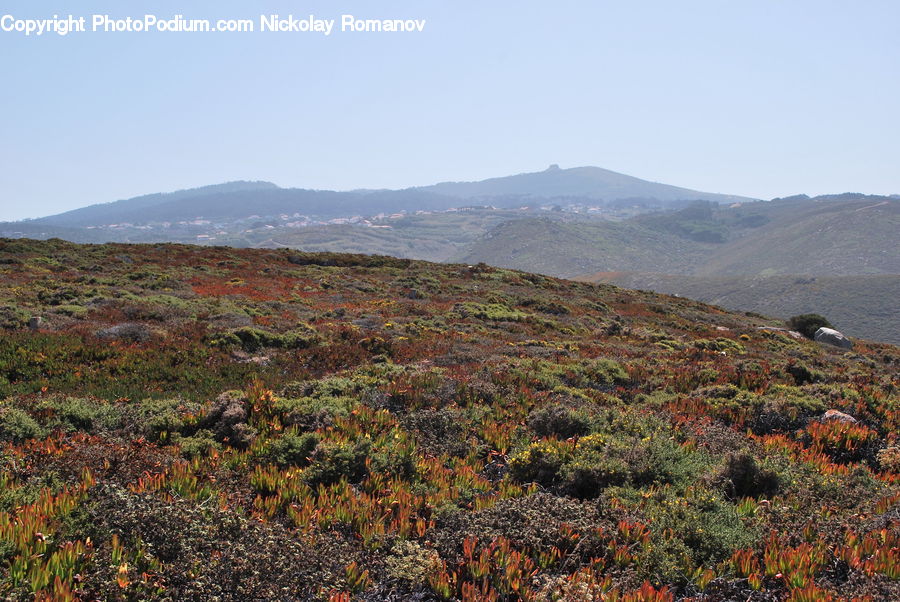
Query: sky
{"points": [[759, 98]]}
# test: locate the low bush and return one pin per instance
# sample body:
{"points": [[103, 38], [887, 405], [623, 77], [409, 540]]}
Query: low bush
{"points": [[17, 425], [808, 324]]}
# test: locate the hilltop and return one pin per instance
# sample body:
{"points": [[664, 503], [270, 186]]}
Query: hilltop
{"points": [[576, 182], [185, 422]]}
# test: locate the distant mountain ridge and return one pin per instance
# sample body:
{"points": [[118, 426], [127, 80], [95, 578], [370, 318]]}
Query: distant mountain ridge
{"points": [[235, 200], [588, 182]]}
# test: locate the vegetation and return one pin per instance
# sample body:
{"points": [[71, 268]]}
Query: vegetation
{"points": [[220, 423], [808, 324]]}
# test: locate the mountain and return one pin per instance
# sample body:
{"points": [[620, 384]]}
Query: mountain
{"points": [[131, 210], [234, 201], [577, 182], [239, 200], [196, 423]]}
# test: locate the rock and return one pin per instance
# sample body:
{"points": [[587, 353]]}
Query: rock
{"points": [[830, 336], [838, 415], [791, 333], [35, 322], [127, 331]]}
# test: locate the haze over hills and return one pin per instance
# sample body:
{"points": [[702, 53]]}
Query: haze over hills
{"points": [[242, 199]]}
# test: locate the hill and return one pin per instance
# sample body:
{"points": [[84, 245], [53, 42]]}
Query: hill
{"points": [[189, 422], [578, 182], [864, 306], [240, 200], [828, 236]]}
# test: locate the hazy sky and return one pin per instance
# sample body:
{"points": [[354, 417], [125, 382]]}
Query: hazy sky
{"points": [[760, 98]]}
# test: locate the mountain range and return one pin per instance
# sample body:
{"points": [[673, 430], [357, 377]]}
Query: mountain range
{"points": [[242, 199], [585, 222]]}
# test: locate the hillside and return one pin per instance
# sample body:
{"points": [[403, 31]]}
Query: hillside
{"points": [[190, 422], [863, 306], [852, 235]]}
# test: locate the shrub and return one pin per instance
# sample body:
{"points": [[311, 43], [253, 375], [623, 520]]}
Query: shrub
{"points": [[889, 459], [292, 449], [253, 339], [199, 445], [742, 477], [539, 463], [312, 413], [700, 525], [17, 426], [785, 408], [335, 461], [808, 324], [228, 417], [606, 459], [159, 419], [559, 420]]}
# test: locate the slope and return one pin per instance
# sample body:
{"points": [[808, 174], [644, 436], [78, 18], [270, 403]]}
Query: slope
{"points": [[863, 306], [196, 423]]}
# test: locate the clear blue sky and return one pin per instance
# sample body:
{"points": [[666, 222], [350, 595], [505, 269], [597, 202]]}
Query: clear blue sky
{"points": [[759, 97]]}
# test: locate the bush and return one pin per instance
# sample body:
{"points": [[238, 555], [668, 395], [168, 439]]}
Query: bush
{"points": [[808, 324], [607, 459], [560, 421], [17, 426], [335, 461], [199, 445], [312, 413], [700, 525], [742, 477], [253, 339], [227, 418], [292, 449]]}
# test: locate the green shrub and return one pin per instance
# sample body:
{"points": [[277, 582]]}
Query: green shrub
{"points": [[720, 344], [808, 324], [616, 456], [199, 445], [491, 311], [292, 449], [311, 413], [335, 461], [253, 339], [17, 425], [540, 463], [161, 418]]}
